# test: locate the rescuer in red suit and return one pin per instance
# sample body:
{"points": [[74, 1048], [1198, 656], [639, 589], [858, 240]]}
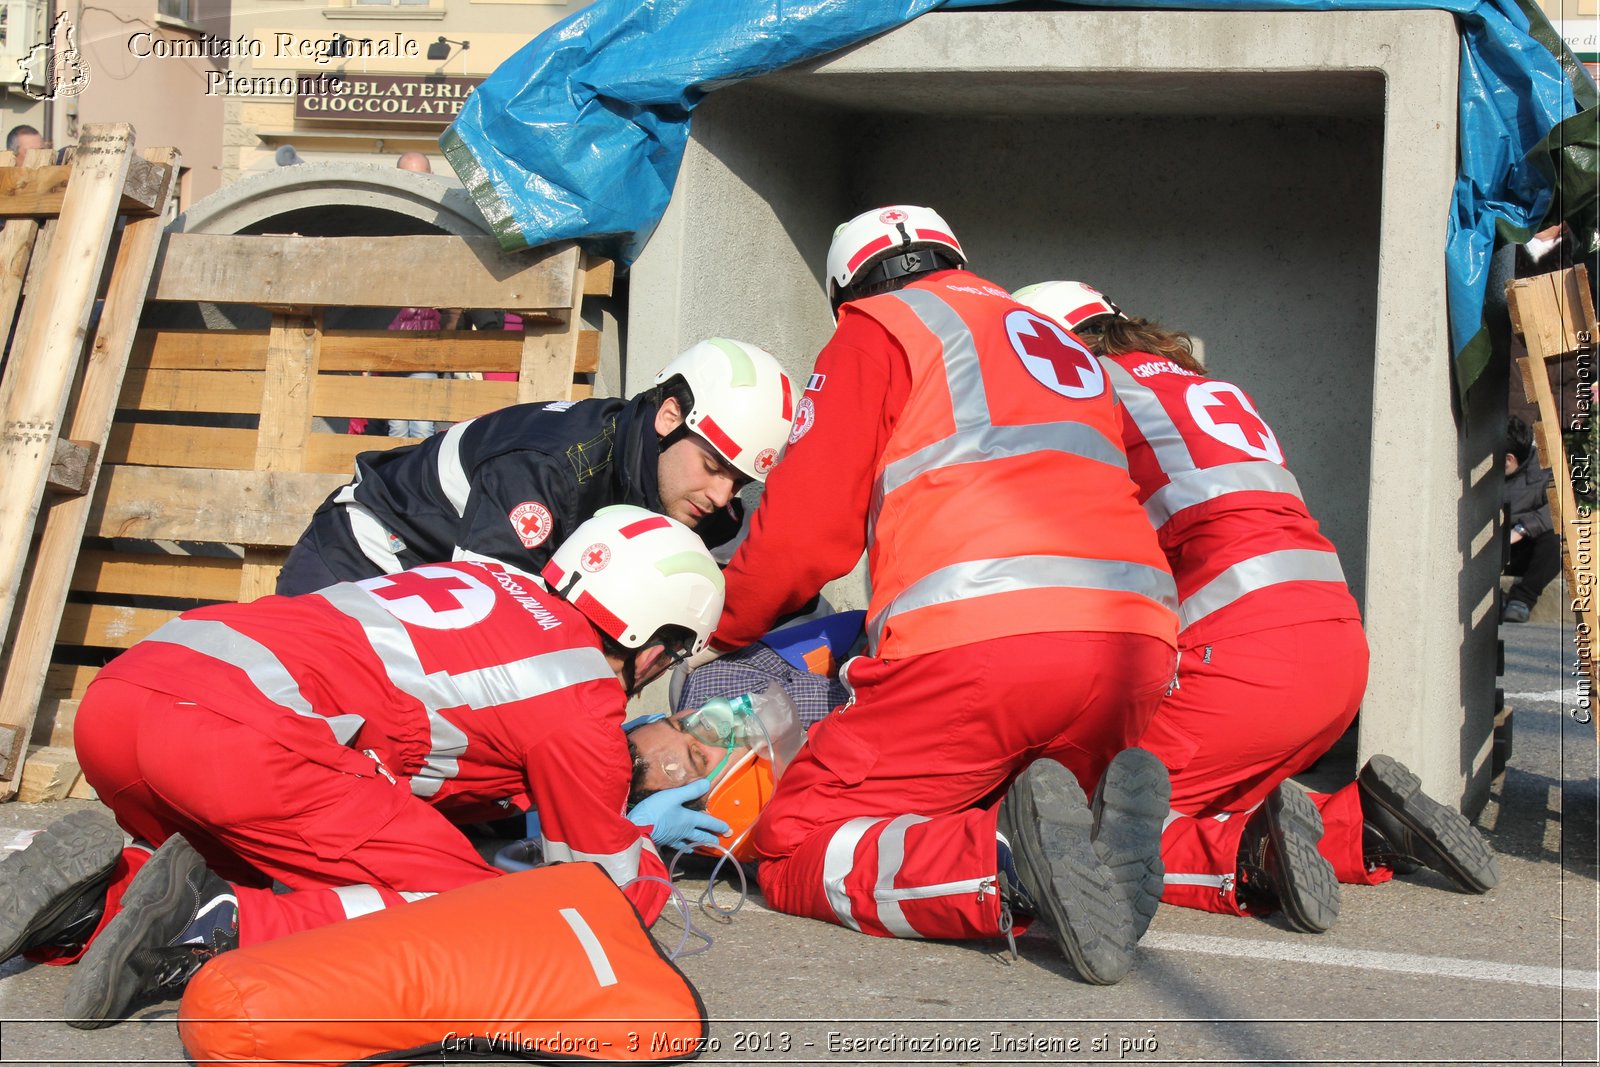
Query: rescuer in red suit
{"points": [[1018, 637], [1272, 659], [333, 741]]}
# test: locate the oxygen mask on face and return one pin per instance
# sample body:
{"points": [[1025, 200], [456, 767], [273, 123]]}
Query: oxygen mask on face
{"points": [[767, 722]]}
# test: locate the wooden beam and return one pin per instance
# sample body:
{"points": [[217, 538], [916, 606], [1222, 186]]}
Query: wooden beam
{"points": [[68, 680], [40, 191], [72, 467], [446, 400], [92, 416], [550, 352], [599, 275], [109, 625], [388, 351], [148, 444], [287, 399], [150, 574], [235, 507], [53, 726], [447, 272], [17, 247], [289, 386], [49, 774], [34, 394]]}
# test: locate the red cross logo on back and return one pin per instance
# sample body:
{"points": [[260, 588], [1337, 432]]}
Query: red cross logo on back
{"points": [[1054, 357], [437, 592], [440, 598], [1225, 413]]}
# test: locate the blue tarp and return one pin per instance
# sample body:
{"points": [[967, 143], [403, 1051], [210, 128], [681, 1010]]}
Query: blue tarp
{"points": [[580, 134]]}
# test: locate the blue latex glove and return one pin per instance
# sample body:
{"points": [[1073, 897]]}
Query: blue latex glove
{"points": [[673, 824]]}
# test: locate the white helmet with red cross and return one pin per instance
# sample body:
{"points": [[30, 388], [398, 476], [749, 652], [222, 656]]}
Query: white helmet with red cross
{"points": [[743, 402], [1070, 303], [878, 245], [632, 572]]}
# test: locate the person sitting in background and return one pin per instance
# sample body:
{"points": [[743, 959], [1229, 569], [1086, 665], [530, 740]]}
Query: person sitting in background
{"points": [[1533, 550]]}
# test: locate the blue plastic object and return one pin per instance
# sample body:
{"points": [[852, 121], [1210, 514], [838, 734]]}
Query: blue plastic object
{"points": [[580, 134], [838, 631]]}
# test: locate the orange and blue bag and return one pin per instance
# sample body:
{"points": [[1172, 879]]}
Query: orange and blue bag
{"points": [[547, 965]]}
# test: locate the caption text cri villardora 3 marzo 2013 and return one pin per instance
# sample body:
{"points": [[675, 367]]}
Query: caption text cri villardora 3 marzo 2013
{"points": [[979, 1045]]}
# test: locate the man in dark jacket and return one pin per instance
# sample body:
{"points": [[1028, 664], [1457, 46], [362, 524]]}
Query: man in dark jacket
{"points": [[1533, 550], [512, 484]]}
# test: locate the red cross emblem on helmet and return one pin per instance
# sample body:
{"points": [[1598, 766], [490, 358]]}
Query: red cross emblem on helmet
{"points": [[595, 557], [765, 459], [532, 523], [892, 216], [1054, 357]]}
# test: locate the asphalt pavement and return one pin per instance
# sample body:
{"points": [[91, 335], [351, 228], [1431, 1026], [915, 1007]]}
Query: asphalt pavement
{"points": [[1412, 973]]}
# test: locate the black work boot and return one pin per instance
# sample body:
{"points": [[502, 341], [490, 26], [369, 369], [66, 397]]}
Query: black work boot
{"points": [[1056, 875], [1406, 827], [175, 916], [54, 891], [1130, 808], [1279, 865]]}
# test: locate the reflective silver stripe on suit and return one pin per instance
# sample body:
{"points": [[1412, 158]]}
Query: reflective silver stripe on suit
{"points": [[622, 867], [452, 475], [359, 900], [1003, 442], [1144, 408], [1185, 490], [891, 857], [437, 690], [266, 672], [1215, 881], [957, 351], [976, 437], [372, 537], [985, 577], [837, 864], [1258, 572]]}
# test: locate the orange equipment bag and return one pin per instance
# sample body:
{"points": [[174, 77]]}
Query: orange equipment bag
{"points": [[551, 964]]}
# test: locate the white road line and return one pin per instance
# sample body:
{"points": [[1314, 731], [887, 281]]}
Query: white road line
{"points": [[1548, 696], [1399, 962]]}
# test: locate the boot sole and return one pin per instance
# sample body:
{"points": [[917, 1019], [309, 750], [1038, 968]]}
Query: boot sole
{"points": [[1053, 851], [1457, 850], [39, 884], [1130, 809], [103, 985], [1308, 890]]}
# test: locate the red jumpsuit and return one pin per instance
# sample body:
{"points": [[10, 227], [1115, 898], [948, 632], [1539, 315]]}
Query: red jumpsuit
{"points": [[1272, 661], [1007, 623], [330, 741]]}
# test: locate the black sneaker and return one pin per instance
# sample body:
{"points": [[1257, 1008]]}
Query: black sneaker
{"points": [[1410, 827], [1057, 876], [54, 891], [174, 917], [1130, 809], [1279, 865]]}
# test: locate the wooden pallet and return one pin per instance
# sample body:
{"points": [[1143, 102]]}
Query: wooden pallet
{"points": [[1554, 315], [222, 447], [64, 219]]}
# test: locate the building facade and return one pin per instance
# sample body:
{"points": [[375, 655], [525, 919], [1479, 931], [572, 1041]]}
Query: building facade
{"points": [[239, 87]]}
